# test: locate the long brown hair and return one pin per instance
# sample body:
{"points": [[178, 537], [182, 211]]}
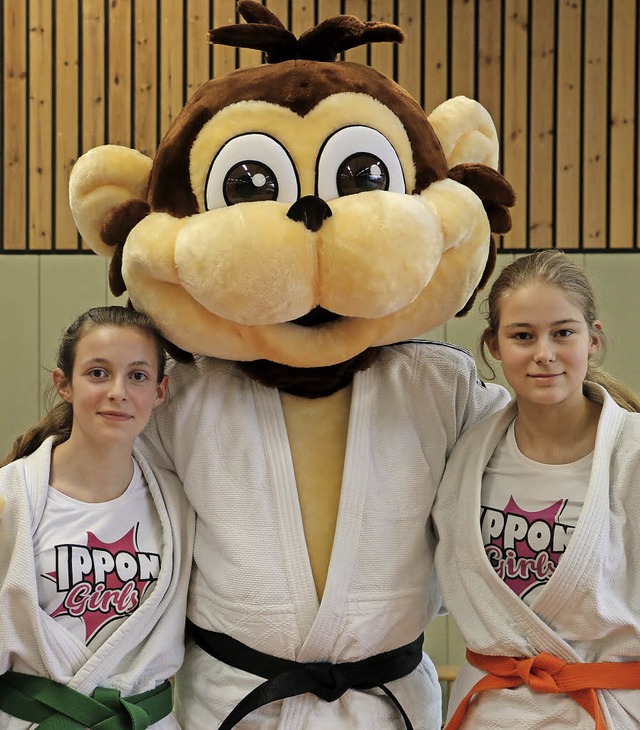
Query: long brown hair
{"points": [[59, 418], [554, 268]]}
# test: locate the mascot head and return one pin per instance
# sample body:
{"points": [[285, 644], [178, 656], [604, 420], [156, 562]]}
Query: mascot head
{"points": [[301, 212]]}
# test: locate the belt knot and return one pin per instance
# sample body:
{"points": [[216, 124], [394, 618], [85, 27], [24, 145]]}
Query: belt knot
{"points": [[539, 672], [329, 683]]}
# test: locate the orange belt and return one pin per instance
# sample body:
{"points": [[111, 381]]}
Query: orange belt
{"points": [[547, 673]]}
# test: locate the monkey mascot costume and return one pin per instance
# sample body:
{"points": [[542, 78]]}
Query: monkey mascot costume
{"points": [[301, 221]]}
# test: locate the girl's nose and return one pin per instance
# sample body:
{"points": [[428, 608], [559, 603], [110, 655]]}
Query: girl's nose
{"points": [[117, 390], [544, 352]]}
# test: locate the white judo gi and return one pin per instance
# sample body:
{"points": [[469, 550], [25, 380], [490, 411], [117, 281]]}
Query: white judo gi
{"points": [[589, 611], [225, 435], [145, 650]]}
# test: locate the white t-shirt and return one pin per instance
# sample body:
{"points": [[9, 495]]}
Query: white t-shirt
{"points": [[528, 514], [95, 563]]}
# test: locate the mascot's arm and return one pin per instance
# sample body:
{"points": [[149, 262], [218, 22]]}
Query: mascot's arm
{"points": [[152, 445], [476, 400]]}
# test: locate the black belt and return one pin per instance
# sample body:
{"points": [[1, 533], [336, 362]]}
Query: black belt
{"points": [[288, 678]]}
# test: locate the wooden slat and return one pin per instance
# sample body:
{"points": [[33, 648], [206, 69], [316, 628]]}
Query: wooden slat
{"points": [[248, 57], [382, 53], [302, 13], [463, 47], [198, 49], [224, 57], [410, 52], [40, 125], [490, 58], [624, 93], [145, 69], [326, 8], [119, 73], [516, 102], [280, 8], [67, 111], [436, 60], [594, 150], [359, 9], [568, 145], [541, 131], [171, 88], [14, 196], [93, 74]]}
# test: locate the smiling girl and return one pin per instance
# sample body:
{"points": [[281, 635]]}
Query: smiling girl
{"points": [[538, 517], [94, 555]]}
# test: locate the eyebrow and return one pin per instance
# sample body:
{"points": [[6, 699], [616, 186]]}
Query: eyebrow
{"points": [[553, 324], [104, 361]]}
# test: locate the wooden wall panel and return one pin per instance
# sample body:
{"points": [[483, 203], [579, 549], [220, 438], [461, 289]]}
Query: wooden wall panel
{"points": [[382, 54], [359, 9], [66, 126], [464, 51], [515, 115], [119, 87], [198, 51], [594, 141], [14, 125], [145, 71], [39, 172], [171, 71], [540, 197], [560, 78], [435, 70], [93, 74], [490, 50], [624, 83], [410, 52]]}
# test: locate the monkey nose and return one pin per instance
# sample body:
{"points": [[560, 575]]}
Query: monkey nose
{"points": [[311, 211]]}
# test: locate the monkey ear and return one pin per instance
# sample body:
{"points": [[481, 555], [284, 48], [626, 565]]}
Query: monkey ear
{"points": [[102, 180], [466, 132]]}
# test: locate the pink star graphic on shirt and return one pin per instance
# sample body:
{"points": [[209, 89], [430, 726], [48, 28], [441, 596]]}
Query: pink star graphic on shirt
{"points": [[106, 581]]}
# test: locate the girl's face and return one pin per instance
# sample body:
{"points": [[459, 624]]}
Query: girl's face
{"points": [[113, 386], [544, 345]]}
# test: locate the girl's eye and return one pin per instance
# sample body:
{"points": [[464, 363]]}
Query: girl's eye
{"points": [[564, 333], [521, 336], [139, 376], [97, 373]]}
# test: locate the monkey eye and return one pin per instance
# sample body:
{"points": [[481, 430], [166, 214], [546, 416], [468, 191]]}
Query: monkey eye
{"points": [[355, 160], [249, 168]]}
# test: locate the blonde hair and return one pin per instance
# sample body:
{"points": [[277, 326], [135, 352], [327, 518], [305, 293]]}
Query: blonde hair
{"points": [[59, 417], [554, 268]]}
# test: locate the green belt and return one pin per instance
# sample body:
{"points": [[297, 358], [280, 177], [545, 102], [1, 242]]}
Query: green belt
{"points": [[55, 706]]}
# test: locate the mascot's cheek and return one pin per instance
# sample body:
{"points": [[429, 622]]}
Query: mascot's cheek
{"points": [[379, 251], [248, 263], [149, 252]]}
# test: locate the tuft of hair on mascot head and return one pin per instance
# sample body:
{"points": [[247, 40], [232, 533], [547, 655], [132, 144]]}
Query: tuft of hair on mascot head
{"points": [[300, 214]]}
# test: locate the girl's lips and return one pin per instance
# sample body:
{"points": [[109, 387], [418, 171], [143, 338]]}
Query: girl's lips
{"points": [[113, 415]]}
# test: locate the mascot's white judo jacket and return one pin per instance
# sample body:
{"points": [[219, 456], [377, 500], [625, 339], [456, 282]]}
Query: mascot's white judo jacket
{"points": [[144, 651], [225, 435], [589, 611]]}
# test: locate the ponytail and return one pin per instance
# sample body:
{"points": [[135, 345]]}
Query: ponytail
{"points": [[57, 422], [624, 396]]}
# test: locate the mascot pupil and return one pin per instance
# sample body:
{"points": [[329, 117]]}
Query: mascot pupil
{"points": [[298, 220]]}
